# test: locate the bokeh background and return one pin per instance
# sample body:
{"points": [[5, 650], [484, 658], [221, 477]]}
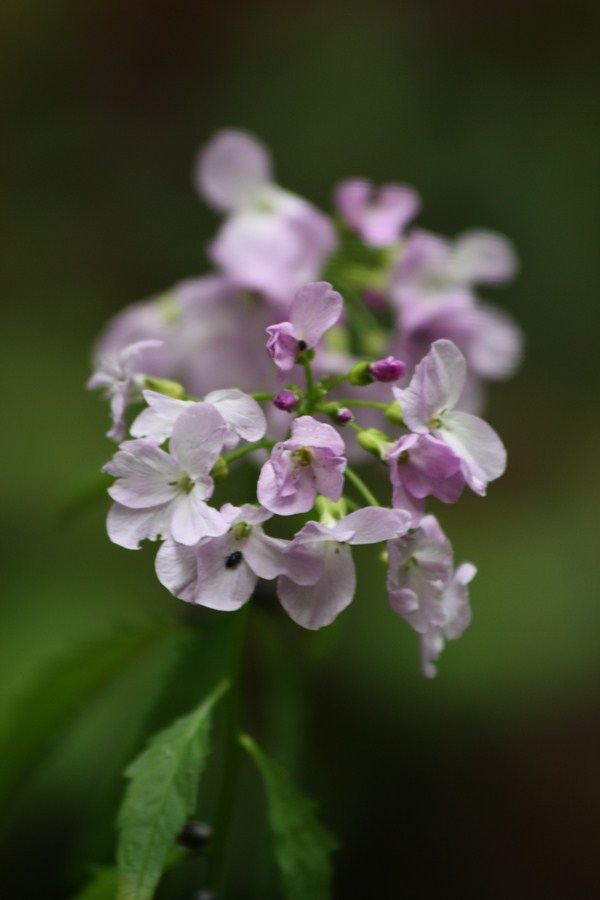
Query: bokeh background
{"points": [[484, 783]]}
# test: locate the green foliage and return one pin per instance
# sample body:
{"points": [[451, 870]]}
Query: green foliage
{"points": [[103, 885], [160, 799], [302, 845], [65, 689]]}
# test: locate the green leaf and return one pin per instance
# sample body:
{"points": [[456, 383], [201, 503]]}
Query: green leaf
{"points": [[302, 844], [65, 688], [160, 799], [103, 885]]}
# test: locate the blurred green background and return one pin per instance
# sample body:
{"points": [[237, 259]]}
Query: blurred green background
{"points": [[486, 782]]}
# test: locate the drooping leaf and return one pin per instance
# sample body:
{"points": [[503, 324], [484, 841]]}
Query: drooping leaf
{"points": [[302, 845], [102, 886], [160, 798], [62, 690]]}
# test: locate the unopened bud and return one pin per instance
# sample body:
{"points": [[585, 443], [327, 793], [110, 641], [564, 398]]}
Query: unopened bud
{"points": [[388, 369], [220, 470], [343, 416], [394, 414], [165, 386], [360, 373], [286, 401], [374, 441]]}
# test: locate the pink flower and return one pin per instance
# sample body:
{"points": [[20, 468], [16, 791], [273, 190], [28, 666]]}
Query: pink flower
{"points": [[380, 216], [309, 462], [420, 466], [315, 308], [221, 572], [428, 408], [120, 377], [272, 241], [320, 578], [159, 493], [240, 412]]}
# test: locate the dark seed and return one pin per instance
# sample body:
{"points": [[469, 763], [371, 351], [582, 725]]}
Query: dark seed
{"points": [[302, 345], [195, 834], [233, 560]]}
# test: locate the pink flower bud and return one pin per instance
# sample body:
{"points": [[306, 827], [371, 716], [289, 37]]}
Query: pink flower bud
{"points": [[286, 400], [388, 369], [344, 416]]}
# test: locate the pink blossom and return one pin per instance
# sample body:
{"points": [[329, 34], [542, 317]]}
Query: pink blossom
{"points": [[311, 461], [380, 216], [320, 577], [120, 375], [240, 412], [159, 493], [420, 466], [315, 308], [272, 240], [221, 572], [428, 407]]}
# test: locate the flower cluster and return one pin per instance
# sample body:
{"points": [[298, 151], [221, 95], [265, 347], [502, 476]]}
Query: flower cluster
{"points": [[349, 336]]}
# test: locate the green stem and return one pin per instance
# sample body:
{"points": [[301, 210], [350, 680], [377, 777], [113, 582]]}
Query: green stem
{"points": [[361, 487], [310, 387], [260, 396], [329, 386], [231, 768], [375, 404], [249, 448]]}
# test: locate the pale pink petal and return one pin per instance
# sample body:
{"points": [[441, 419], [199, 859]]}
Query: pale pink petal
{"points": [[232, 170], [224, 582], [373, 524], [315, 308], [192, 519], [481, 257], [435, 386], [127, 527], [308, 432], [240, 411], [177, 569], [146, 475], [264, 554], [318, 605], [476, 443], [456, 601], [198, 438], [156, 422]]}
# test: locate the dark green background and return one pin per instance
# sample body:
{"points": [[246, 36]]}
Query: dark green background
{"points": [[484, 783]]}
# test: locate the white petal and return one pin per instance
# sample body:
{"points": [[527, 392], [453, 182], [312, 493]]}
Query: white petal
{"points": [[146, 475], [177, 570], [232, 170], [264, 554], [127, 527], [318, 605], [157, 421], [198, 438], [477, 445], [435, 386], [193, 519], [373, 524], [241, 412], [481, 257]]}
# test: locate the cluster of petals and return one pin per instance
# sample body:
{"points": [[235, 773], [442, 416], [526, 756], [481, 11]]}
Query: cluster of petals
{"points": [[161, 493], [379, 217], [320, 577], [314, 309], [428, 408], [311, 461], [272, 241], [424, 590], [221, 571]]}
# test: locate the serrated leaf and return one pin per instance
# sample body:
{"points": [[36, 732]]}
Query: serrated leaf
{"points": [[160, 798], [302, 845], [62, 690]]}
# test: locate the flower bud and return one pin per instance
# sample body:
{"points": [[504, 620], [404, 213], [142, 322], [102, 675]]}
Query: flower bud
{"points": [[374, 441], [394, 414], [360, 373], [343, 416], [388, 369], [220, 470], [286, 401], [165, 386]]}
